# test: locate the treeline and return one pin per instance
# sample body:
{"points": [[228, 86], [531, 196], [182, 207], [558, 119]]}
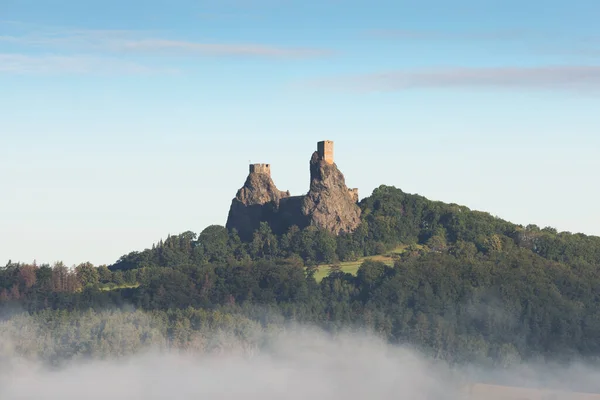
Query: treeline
{"points": [[476, 289], [55, 337], [390, 217]]}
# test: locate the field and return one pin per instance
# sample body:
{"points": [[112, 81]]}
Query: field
{"points": [[485, 391], [352, 266], [115, 287]]}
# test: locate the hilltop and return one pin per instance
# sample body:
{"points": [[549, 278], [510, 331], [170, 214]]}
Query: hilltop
{"points": [[459, 284], [329, 204]]}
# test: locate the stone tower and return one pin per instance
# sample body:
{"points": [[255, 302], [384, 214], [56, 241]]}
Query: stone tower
{"points": [[260, 169], [325, 150]]}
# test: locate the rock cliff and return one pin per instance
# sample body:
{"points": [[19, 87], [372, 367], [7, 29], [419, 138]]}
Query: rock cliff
{"points": [[329, 203], [257, 201]]}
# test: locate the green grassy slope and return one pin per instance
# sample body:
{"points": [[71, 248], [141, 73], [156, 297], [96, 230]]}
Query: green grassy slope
{"points": [[351, 267]]}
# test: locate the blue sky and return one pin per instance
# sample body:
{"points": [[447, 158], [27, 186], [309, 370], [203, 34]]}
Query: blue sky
{"points": [[123, 122]]}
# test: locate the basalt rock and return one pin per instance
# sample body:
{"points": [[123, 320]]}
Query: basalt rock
{"points": [[257, 201], [328, 205]]}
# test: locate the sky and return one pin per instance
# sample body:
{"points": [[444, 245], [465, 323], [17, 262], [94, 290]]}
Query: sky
{"points": [[123, 122]]}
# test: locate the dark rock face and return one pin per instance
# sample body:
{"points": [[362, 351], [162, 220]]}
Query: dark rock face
{"points": [[257, 201], [289, 214], [329, 203]]}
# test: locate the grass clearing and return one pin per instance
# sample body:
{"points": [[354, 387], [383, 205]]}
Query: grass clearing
{"points": [[123, 286], [351, 267]]}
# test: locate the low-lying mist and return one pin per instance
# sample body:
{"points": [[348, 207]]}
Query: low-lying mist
{"points": [[297, 363], [291, 362]]}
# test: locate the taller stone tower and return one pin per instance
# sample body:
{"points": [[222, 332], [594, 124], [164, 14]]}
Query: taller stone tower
{"points": [[325, 150]]}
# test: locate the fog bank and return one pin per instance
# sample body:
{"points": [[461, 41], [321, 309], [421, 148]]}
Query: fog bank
{"points": [[297, 364], [289, 363]]}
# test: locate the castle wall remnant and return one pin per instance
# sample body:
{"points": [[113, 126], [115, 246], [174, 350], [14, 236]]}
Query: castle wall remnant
{"points": [[354, 194], [325, 150], [260, 169]]}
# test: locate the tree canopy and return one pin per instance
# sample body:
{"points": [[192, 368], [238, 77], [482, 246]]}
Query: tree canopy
{"points": [[475, 289]]}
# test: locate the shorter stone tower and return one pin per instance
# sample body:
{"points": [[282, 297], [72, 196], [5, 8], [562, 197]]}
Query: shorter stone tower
{"points": [[325, 150], [260, 169]]}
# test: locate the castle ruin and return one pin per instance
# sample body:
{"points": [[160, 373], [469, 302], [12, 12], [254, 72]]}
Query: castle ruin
{"points": [[329, 203], [325, 150], [260, 169]]}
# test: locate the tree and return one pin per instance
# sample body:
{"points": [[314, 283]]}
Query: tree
{"points": [[492, 243], [464, 250], [326, 245], [60, 275], [87, 274], [104, 274], [214, 241], [130, 276], [370, 272], [508, 356], [437, 243], [15, 294], [44, 277], [118, 278], [27, 275], [264, 242]]}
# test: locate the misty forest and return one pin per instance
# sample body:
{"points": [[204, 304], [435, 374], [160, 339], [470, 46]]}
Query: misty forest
{"points": [[459, 285]]}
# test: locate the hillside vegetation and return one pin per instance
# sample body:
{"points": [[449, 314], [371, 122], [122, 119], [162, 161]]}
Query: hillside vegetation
{"points": [[461, 285], [351, 267]]}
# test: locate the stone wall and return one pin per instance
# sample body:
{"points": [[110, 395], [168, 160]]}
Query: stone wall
{"points": [[260, 169], [325, 150], [354, 194]]}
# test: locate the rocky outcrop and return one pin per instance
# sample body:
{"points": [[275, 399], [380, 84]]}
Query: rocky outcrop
{"points": [[257, 201], [329, 203]]}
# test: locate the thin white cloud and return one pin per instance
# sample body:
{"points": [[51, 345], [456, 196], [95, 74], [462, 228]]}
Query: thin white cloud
{"points": [[223, 16], [33, 49], [53, 64], [407, 34], [577, 78], [111, 41], [256, 50], [538, 42], [592, 51]]}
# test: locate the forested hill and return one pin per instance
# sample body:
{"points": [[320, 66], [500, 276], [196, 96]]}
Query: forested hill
{"points": [[390, 217], [467, 287]]}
